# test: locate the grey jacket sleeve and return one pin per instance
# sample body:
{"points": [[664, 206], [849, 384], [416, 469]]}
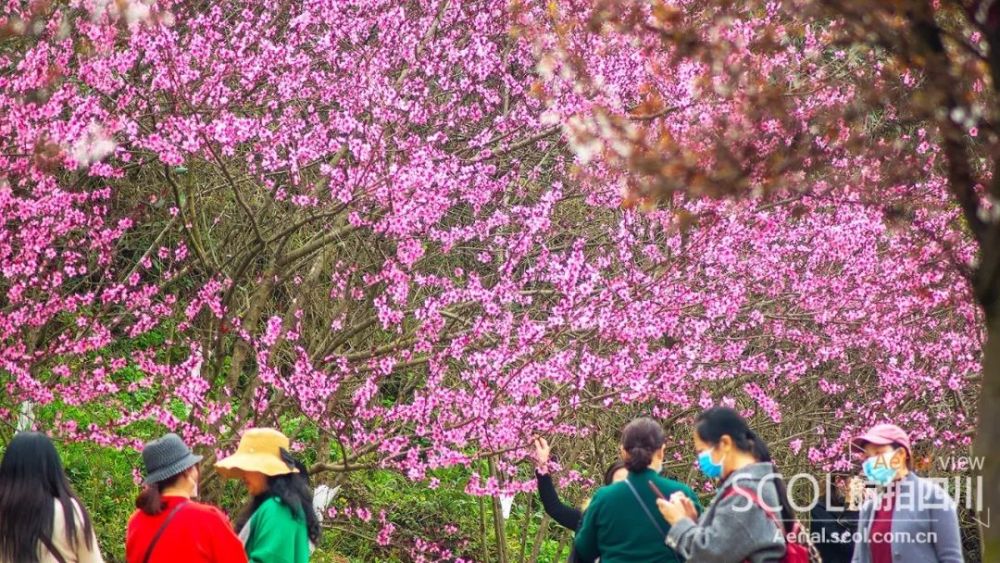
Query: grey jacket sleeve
{"points": [[944, 524], [861, 548], [736, 531]]}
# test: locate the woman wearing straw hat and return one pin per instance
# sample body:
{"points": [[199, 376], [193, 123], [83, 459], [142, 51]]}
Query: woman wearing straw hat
{"points": [[280, 523], [168, 526]]}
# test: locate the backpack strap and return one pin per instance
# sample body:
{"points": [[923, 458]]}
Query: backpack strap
{"points": [[793, 539], [645, 508], [159, 533], [749, 495], [47, 542]]}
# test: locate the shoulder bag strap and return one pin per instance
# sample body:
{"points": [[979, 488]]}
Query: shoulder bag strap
{"points": [[645, 509], [740, 491], [734, 490], [163, 527], [47, 542]]}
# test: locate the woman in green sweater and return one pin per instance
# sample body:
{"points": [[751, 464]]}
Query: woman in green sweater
{"points": [[280, 525], [621, 523]]}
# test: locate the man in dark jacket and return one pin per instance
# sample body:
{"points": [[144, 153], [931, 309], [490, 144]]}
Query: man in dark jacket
{"points": [[832, 526]]}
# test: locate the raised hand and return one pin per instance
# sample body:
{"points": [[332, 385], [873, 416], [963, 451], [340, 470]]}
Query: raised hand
{"points": [[542, 453]]}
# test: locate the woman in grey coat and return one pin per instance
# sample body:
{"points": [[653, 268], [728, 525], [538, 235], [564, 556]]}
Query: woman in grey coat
{"points": [[734, 527], [912, 518]]}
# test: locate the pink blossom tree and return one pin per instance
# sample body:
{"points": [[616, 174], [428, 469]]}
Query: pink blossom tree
{"points": [[402, 223], [884, 108]]}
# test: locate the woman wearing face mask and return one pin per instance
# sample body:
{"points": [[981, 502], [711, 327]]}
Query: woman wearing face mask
{"points": [[280, 525], [912, 519], [620, 523], [735, 527], [168, 526], [834, 520]]}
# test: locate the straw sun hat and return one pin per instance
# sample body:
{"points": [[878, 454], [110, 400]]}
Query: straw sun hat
{"points": [[259, 450]]}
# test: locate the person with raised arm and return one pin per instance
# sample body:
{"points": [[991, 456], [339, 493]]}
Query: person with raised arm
{"points": [[568, 517]]}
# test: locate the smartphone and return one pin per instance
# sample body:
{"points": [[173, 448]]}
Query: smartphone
{"points": [[656, 490]]}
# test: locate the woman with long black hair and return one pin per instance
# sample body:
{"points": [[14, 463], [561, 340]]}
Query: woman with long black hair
{"points": [[280, 525], [736, 526], [41, 518]]}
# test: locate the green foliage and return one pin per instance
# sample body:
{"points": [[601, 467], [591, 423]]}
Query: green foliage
{"points": [[103, 479], [417, 510]]}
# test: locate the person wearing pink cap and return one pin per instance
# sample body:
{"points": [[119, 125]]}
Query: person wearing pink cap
{"points": [[912, 518]]}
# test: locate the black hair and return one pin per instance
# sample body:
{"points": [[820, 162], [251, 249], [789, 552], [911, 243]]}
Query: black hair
{"points": [[835, 498], [641, 438], [609, 474], [32, 479], [150, 499], [714, 423], [293, 490]]}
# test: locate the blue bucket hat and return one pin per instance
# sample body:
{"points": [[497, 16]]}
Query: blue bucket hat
{"points": [[165, 457]]}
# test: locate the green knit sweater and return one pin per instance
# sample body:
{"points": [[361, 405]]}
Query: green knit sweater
{"points": [[277, 535], [616, 529]]}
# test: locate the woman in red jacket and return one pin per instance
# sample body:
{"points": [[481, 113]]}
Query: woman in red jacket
{"points": [[168, 526]]}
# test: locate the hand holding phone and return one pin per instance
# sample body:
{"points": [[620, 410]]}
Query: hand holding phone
{"points": [[682, 499]]}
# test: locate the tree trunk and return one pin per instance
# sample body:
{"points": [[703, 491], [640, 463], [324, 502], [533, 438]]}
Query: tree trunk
{"points": [[499, 526], [988, 438]]}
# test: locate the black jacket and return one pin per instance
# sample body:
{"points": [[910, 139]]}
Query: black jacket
{"points": [[565, 516], [834, 526]]}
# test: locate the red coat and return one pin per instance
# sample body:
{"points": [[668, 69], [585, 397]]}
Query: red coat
{"points": [[199, 533]]}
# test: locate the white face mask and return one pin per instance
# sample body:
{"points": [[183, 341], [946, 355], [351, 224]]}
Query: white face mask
{"points": [[879, 468]]}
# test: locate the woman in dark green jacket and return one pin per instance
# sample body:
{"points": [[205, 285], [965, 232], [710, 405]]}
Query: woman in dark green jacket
{"points": [[622, 523], [280, 525]]}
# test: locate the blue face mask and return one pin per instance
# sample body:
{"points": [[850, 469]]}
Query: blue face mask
{"points": [[878, 469], [711, 469]]}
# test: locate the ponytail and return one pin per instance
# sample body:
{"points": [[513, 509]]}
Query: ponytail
{"points": [[757, 447], [639, 459], [641, 439], [150, 499], [716, 422]]}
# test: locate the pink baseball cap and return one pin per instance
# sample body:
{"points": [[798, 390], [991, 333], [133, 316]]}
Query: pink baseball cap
{"points": [[883, 434]]}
